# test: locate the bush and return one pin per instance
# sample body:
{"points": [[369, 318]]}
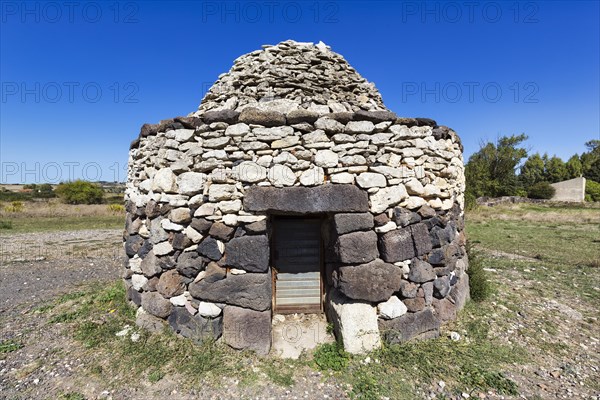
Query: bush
{"points": [[6, 225], [470, 201], [541, 190], [15, 206], [592, 190], [478, 281], [80, 192]]}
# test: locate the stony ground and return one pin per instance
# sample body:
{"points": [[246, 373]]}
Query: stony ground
{"points": [[549, 312]]}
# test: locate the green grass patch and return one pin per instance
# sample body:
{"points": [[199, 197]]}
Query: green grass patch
{"points": [[4, 224], [8, 346], [331, 356]]}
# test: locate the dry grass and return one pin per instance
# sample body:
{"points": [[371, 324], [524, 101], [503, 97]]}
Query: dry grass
{"points": [[588, 213], [51, 215]]}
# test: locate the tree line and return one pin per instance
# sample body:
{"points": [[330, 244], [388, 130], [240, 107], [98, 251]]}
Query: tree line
{"points": [[504, 168]]}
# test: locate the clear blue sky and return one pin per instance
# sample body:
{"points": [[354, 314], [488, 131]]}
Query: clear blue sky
{"points": [[78, 81]]}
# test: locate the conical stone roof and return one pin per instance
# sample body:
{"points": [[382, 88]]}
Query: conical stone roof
{"points": [[292, 75]]}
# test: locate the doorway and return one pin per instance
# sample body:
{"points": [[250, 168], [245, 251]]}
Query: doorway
{"points": [[297, 265]]}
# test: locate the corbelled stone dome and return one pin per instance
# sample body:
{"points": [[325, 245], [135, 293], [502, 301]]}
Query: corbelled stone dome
{"points": [[295, 75]]}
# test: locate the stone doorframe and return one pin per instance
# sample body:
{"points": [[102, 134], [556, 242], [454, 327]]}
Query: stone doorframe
{"points": [[323, 200]]}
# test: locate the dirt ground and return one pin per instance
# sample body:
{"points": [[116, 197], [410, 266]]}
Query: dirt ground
{"points": [[560, 331]]}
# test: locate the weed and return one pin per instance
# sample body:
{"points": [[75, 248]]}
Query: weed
{"points": [[478, 281], [331, 356], [155, 375], [8, 346], [15, 207], [116, 208], [6, 225], [280, 373]]}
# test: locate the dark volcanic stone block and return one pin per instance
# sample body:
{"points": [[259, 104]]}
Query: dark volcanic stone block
{"points": [[250, 253], [441, 287], [403, 217], [246, 290], [170, 284], [396, 245], [375, 281], [251, 115], [422, 324], [256, 227], [227, 116], [210, 248], [374, 116], [195, 327], [245, 329], [221, 231], [189, 264], [156, 305], [352, 222], [421, 239], [201, 225], [357, 247], [301, 115], [420, 271], [305, 200], [133, 244], [442, 236]]}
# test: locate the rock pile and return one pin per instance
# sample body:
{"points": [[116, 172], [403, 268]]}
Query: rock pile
{"points": [[297, 132]]}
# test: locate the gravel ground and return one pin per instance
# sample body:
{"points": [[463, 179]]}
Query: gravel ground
{"points": [[51, 363]]}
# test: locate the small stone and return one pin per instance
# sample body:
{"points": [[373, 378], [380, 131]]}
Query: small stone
{"points": [[170, 226], [162, 248], [392, 308], [329, 125], [343, 177], [285, 142], [164, 181], [312, 176], [221, 231], [211, 248], [193, 234], [386, 198], [240, 129], [179, 301], [230, 206], [358, 127], [390, 226], [191, 183], [208, 310], [156, 305], [180, 215], [281, 175], [326, 159], [371, 179], [249, 171], [138, 281], [170, 284], [421, 271]]}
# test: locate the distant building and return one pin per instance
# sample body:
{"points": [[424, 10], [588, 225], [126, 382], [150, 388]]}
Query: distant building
{"points": [[572, 190]]}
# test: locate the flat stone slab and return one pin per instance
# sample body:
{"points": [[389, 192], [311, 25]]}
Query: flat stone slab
{"points": [[305, 200]]}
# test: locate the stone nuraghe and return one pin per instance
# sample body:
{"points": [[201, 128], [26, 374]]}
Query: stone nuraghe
{"points": [[293, 129]]}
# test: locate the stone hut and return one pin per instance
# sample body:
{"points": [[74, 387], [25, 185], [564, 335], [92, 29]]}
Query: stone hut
{"points": [[293, 189]]}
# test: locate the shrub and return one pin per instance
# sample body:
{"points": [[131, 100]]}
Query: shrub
{"points": [[592, 190], [470, 201], [541, 190], [80, 192], [116, 208], [478, 281], [15, 206], [6, 225]]}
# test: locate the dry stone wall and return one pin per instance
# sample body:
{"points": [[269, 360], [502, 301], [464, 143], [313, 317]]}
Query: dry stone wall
{"points": [[202, 191]]}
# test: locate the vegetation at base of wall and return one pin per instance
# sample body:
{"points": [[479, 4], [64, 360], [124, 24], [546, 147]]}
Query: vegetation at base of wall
{"points": [[14, 207], [80, 192], [116, 208], [541, 190], [478, 280], [331, 356], [592, 190]]}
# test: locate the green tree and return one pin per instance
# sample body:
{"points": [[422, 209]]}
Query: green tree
{"points": [[532, 171], [556, 170], [491, 170], [574, 167], [591, 161], [80, 192]]}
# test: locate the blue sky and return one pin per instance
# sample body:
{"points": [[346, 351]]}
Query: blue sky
{"points": [[77, 81]]}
